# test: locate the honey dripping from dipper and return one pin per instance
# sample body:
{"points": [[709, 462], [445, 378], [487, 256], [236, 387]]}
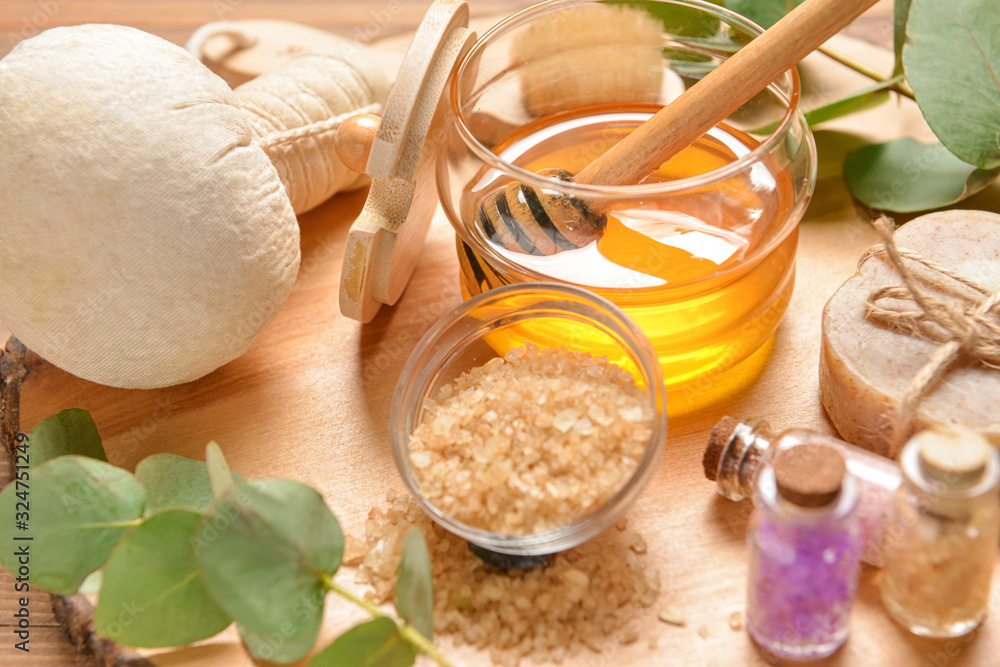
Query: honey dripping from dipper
{"points": [[718, 254]]}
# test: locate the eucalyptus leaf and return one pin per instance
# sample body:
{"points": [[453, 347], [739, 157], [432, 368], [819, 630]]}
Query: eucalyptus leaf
{"points": [[905, 175], [80, 508], [862, 100], [70, 432], [415, 584], [832, 148], [218, 470], [281, 645], [175, 482], [288, 542], [900, 12], [952, 63], [153, 594], [764, 13], [376, 643]]}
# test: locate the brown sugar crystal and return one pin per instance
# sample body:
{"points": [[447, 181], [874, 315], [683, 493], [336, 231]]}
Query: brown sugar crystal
{"points": [[589, 597], [532, 441]]}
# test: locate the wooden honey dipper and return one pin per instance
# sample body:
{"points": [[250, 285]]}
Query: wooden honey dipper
{"points": [[526, 220]]}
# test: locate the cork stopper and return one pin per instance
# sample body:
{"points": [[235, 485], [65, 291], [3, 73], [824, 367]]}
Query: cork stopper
{"points": [[718, 440], [809, 475], [953, 455]]}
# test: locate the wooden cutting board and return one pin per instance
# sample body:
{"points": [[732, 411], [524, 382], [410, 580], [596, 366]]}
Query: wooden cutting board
{"points": [[311, 402]]}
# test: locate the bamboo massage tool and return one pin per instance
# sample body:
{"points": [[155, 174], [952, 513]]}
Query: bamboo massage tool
{"points": [[530, 221]]}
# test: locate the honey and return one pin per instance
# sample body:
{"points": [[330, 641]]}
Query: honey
{"points": [[706, 270]]}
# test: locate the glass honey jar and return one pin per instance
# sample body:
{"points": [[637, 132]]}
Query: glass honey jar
{"points": [[701, 254]]}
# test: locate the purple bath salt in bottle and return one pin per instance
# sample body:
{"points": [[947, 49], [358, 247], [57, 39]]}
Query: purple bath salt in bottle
{"points": [[805, 545]]}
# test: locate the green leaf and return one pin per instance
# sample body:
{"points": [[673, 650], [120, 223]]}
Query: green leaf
{"points": [[764, 13], [70, 432], [376, 643], [900, 12], [862, 100], [276, 646], [266, 548], [415, 585], [153, 594], [80, 509], [867, 98], [175, 482], [218, 470], [905, 175], [952, 58], [832, 147]]}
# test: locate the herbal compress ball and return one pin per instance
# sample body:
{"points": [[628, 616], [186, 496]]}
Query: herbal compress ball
{"points": [[145, 238]]}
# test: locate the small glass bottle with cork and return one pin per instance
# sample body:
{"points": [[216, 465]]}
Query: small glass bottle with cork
{"points": [[737, 451], [942, 536], [805, 546]]}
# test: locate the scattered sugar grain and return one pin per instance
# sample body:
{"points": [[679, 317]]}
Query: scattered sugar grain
{"points": [[354, 550], [587, 597], [672, 615], [638, 544]]}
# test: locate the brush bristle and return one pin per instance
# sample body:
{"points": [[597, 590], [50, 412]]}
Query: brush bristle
{"points": [[589, 55]]}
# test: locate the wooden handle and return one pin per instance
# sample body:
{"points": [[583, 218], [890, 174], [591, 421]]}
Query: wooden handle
{"points": [[722, 91], [354, 140]]}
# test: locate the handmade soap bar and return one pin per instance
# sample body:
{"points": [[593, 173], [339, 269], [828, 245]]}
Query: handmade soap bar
{"points": [[880, 343]]}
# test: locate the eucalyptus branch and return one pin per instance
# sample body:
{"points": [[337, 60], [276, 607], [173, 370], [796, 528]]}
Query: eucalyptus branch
{"points": [[407, 631], [866, 70]]}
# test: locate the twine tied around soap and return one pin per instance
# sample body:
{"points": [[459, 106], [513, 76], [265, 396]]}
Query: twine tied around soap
{"points": [[963, 324]]}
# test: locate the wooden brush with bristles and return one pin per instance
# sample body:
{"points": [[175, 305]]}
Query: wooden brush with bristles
{"points": [[587, 55]]}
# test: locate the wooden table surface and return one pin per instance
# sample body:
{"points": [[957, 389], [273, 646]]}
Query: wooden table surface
{"points": [[310, 400]]}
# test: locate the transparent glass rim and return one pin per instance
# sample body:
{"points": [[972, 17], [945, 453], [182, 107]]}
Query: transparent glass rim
{"points": [[839, 509], [428, 356], [909, 460], [789, 80]]}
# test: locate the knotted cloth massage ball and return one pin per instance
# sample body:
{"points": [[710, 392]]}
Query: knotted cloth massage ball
{"points": [[144, 239]]}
